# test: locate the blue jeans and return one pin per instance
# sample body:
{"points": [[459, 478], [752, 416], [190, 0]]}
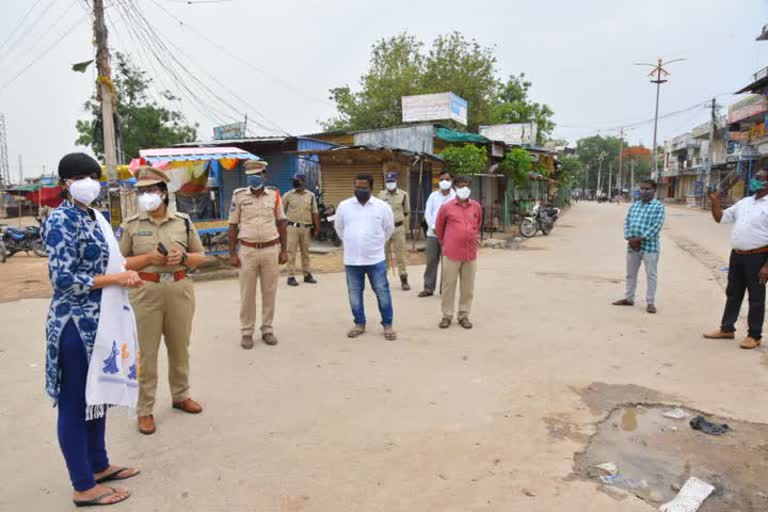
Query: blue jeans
{"points": [[377, 275], [81, 442]]}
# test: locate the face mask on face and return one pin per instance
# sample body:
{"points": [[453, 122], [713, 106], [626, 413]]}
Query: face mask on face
{"points": [[391, 186], [463, 193], [647, 195], [85, 191], [150, 202], [755, 185], [255, 181], [445, 184], [298, 184], [362, 195]]}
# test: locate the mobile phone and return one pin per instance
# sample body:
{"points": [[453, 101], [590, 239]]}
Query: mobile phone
{"points": [[162, 249]]}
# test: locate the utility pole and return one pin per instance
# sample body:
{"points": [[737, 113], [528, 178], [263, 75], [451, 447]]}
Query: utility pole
{"points": [[631, 176], [5, 169], [21, 170], [658, 70], [600, 159], [105, 89], [621, 157], [610, 178], [710, 154]]}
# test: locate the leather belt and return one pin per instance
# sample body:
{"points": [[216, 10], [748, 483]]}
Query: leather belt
{"points": [[260, 245], [759, 250], [299, 225], [156, 277], [398, 224]]}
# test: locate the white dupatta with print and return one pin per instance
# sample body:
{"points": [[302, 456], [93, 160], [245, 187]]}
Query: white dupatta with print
{"points": [[113, 370]]}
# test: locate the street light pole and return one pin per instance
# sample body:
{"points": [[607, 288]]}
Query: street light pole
{"points": [[656, 75]]}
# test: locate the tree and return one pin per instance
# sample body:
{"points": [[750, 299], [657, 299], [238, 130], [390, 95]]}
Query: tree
{"points": [[638, 157], [588, 151], [400, 67], [517, 164], [467, 159], [143, 123], [570, 170], [516, 107]]}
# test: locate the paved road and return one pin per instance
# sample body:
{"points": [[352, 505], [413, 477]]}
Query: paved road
{"points": [[454, 420]]}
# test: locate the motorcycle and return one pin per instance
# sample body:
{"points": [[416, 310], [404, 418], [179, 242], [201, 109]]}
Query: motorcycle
{"points": [[18, 240], [327, 213], [540, 219]]}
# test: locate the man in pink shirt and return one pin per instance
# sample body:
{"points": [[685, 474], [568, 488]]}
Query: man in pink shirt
{"points": [[457, 227]]}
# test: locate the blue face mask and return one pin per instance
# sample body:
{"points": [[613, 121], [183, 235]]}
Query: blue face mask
{"points": [[755, 185], [255, 181]]}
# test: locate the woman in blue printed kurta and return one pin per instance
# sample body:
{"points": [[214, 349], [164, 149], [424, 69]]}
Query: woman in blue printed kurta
{"points": [[77, 261]]}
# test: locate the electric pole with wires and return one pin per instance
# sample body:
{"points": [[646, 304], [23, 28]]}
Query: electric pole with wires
{"points": [[656, 75], [106, 94]]}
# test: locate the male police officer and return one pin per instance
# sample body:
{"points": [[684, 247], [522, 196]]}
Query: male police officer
{"points": [[301, 209], [257, 221], [397, 199]]}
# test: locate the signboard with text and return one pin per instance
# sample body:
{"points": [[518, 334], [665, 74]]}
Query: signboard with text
{"points": [[229, 131], [434, 107], [523, 134]]}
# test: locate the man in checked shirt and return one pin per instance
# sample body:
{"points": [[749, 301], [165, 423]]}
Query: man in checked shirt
{"points": [[641, 231]]}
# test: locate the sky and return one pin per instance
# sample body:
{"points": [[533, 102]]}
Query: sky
{"points": [[276, 61]]}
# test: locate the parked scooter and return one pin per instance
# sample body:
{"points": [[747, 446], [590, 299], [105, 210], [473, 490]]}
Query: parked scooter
{"points": [[327, 214], [22, 240], [540, 219]]}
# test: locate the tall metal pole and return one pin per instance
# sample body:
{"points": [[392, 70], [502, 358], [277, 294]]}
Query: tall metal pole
{"points": [[599, 174], [658, 83], [108, 99], [610, 178], [710, 154], [631, 175], [621, 158]]}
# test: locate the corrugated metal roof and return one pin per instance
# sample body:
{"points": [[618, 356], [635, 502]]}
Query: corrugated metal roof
{"points": [[193, 154], [367, 147]]}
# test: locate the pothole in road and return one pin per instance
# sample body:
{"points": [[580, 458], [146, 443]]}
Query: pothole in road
{"points": [[654, 455]]}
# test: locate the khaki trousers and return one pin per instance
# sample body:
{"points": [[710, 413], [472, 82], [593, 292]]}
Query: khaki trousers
{"points": [[454, 271], [298, 238], [163, 309], [398, 241], [258, 264]]}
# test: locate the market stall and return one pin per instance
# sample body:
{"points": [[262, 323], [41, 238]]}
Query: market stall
{"points": [[202, 183]]}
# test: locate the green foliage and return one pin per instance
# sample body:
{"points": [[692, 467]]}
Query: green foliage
{"points": [[466, 159], [400, 66], [516, 107], [517, 164], [143, 122], [589, 150], [570, 168]]}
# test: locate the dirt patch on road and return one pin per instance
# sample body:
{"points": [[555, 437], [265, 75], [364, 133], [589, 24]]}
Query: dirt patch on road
{"points": [[655, 455]]}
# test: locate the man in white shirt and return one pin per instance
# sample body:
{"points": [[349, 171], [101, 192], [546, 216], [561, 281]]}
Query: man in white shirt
{"points": [[364, 225], [748, 266], [436, 199]]}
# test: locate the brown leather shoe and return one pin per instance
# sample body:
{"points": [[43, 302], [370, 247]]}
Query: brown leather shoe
{"points": [[247, 342], [749, 343], [465, 323], [623, 302], [146, 425], [651, 309], [445, 322], [189, 406], [269, 338], [720, 335]]}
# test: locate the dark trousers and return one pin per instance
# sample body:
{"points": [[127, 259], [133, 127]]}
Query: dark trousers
{"points": [[81, 442], [433, 260], [743, 275]]}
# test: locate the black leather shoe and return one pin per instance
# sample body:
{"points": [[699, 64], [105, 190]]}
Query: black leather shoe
{"points": [[292, 281], [309, 279]]}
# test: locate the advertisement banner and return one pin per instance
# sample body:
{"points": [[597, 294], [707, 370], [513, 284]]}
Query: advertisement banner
{"points": [[434, 107], [229, 131]]}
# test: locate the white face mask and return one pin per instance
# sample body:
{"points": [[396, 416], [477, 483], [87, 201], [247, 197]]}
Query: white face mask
{"points": [[463, 193], [445, 184], [150, 202], [391, 186], [85, 191]]}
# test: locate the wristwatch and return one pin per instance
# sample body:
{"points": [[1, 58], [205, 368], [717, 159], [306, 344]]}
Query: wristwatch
{"points": [[184, 259]]}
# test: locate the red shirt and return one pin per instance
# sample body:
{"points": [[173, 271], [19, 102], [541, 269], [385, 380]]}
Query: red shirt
{"points": [[457, 227]]}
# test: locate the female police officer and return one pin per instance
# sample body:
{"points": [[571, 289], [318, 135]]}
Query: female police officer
{"points": [[161, 244]]}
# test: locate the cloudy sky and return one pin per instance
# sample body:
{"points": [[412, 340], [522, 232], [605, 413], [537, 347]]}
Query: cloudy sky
{"points": [[277, 60]]}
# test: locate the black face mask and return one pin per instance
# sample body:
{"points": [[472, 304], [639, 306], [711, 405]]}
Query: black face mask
{"points": [[298, 184], [362, 195]]}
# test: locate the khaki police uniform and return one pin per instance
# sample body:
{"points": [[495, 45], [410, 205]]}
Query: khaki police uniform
{"points": [[163, 308], [401, 207], [300, 208], [256, 217]]}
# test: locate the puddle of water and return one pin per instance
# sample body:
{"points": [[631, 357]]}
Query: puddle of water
{"points": [[655, 455]]}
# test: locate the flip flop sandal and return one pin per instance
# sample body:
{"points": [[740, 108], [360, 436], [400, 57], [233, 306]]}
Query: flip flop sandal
{"points": [[115, 475], [355, 332], [390, 336], [98, 501]]}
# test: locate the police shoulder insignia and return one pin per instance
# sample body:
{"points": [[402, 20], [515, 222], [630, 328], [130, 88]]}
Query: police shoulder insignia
{"points": [[119, 233]]}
